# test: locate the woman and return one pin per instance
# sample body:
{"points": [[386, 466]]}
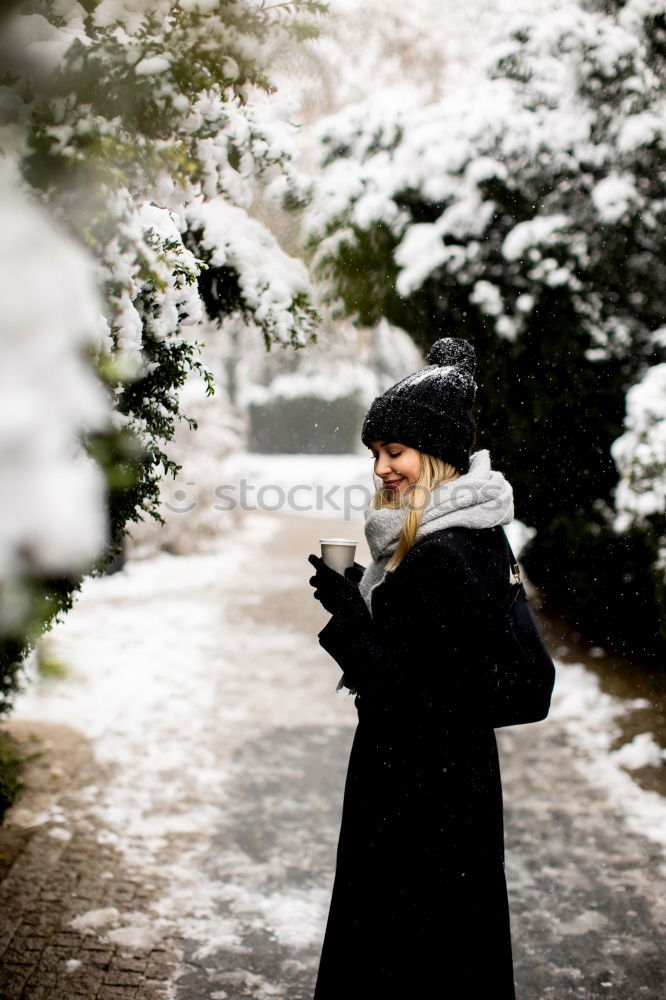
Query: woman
{"points": [[419, 906]]}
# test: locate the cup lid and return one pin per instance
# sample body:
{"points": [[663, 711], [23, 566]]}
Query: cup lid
{"points": [[337, 541]]}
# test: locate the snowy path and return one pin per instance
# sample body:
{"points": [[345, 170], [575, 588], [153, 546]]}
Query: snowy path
{"points": [[200, 683]]}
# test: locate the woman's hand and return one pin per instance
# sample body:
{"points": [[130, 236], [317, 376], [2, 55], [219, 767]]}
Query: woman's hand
{"points": [[338, 594], [355, 572]]}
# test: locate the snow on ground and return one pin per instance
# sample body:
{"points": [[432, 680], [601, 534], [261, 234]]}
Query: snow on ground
{"points": [[642, 751], [591, 718], [145, 649], [167, 684]]}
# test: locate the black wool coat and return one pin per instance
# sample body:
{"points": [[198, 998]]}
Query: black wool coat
{"points": [[419, 906]]}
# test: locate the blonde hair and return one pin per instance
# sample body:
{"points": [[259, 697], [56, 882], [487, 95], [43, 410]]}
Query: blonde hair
{"points": [[434, 471]]}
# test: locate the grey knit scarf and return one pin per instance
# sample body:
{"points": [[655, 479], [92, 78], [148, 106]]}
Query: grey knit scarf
{"points": [[481, 498]]}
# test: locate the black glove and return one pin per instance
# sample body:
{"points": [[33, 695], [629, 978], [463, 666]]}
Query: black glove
{"points": [[339, 594], [355, 572]]}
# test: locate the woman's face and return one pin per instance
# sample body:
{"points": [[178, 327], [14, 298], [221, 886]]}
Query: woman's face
{"points": [[398, 465]]}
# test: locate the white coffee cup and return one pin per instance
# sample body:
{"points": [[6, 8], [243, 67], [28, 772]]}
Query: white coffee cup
{"points": [[338, 553]]}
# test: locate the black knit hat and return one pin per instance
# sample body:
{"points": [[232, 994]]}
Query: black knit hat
{"points": [[431, 410]]}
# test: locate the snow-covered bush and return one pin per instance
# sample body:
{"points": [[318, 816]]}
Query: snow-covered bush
{"points": [[142, 127], [53, 520], [640, 453], [640, 456], [526, 212]]}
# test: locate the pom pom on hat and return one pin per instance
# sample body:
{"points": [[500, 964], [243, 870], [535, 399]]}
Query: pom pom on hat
{"points": [[452, 351]]}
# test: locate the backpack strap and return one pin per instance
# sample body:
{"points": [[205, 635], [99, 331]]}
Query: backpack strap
{"points": [[515, 568]]}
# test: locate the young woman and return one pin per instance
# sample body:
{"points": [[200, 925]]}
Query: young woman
{"points": [[419, 906]]}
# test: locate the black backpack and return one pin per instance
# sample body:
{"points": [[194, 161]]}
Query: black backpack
{"points": [[522, 671]]}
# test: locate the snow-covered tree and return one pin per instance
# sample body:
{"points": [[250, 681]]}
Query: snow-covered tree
{"points": [[142, 129], [526, 210]]}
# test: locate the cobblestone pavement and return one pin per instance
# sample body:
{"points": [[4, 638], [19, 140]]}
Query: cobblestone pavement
{"points": [[49, 873], [586, 892]]}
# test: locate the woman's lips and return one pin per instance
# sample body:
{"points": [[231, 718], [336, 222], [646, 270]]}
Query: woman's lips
{"points": [[393, 484]]}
